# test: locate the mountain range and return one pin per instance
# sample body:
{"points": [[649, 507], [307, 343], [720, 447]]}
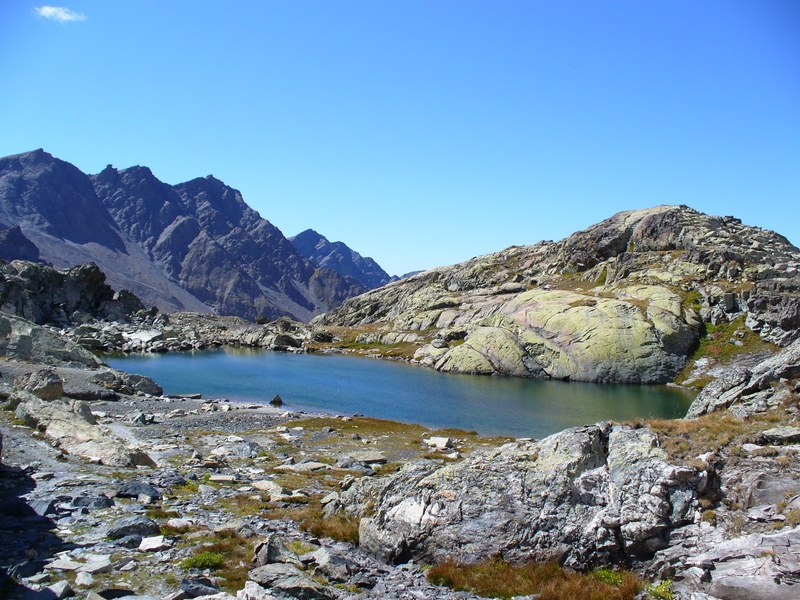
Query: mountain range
{"points": [[193, 246]]}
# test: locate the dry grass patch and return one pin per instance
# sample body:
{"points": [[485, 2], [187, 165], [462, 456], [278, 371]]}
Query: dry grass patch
{"points": [[496, 578], [311, 518], [244, 504], [684, 439]]}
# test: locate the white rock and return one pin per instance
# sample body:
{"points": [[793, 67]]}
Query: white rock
{"points": [[180, 523], [84, 579], [97, 563], [65, 564], [152, 544], [439, 443], [333, 496]]}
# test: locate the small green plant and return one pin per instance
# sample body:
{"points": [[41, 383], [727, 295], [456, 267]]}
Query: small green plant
{"points": [[661, 590], [300, 547], [608, 576], [204, 560]]}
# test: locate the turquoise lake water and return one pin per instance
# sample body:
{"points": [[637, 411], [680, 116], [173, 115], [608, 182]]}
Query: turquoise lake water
{"points": [[389, 390]]}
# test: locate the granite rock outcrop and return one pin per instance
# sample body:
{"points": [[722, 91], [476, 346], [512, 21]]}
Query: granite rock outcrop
{"points": [[623, 301], [585, 496]]}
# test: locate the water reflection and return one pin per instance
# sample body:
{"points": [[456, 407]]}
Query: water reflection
{"points": [[383, 389]]}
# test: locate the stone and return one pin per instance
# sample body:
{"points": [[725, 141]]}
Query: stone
{"points": [[60, 590], [136, 488], [130, 541], [328, 498], [276, 401], [137, 525], [84, 579], [783, 434], [45, 384], [276, 491], [198, 586], [65, 564], [92, 502], [368, 457], [96, 563], [584, 496], [220, 478], [273, 550], [153, 544], [334, 567], [180, 523], [287, 580], [253, 591], [305, 467], [439, 443], [64, 427]]}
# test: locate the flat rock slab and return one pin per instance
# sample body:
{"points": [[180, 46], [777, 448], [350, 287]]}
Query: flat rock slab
{"points": [[783, 434], [305, 467], [65, 564], [369, 456], [99, 563], [153, 544], [286, 580]]}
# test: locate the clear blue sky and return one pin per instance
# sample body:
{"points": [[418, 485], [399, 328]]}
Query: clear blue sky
{"points": [[422, 133]]}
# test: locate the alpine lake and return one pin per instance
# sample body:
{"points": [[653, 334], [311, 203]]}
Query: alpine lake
{"points": [[344, 385]]}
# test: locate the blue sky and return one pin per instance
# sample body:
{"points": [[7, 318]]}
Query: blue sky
{"points": [[423, 133]]}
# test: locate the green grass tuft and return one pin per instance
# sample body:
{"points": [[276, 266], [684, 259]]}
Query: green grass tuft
{"points": [[204, 560]]}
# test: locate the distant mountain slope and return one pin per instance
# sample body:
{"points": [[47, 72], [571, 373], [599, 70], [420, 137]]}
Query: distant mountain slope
{"points": [[194, 246], [623, 301], [340, 258]]}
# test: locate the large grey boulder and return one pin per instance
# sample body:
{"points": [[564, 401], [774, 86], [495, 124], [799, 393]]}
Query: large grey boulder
{"points": [[22, 340], [44, 383], [273, 549], [71, 428], [587, 495], [287, 581], [137, 525]]}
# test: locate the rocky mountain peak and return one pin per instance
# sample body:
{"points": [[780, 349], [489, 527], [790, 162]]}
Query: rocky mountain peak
{"points": [[338, 257], [663, 229], [194, 246], [38, 191]]}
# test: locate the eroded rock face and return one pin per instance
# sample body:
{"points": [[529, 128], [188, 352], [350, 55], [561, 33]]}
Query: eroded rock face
{"points": [[583, 496], [746, 391], [560, 334], [41, 294]]}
